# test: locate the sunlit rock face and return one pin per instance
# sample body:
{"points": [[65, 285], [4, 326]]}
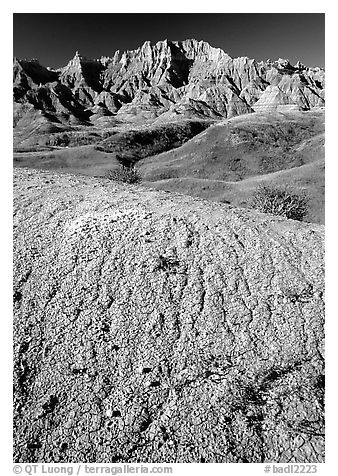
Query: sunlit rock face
{"points": [[164, 78]]}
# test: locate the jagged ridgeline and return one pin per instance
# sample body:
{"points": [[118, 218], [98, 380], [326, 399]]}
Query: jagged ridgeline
{"points": [[153, 326], [161, 82]]}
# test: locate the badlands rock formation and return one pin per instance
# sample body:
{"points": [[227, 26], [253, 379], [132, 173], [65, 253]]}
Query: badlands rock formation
{"points": [[165, 81], [153, 327]]}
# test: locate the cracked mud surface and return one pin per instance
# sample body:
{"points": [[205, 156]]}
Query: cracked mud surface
{"points": [[153, 327]]}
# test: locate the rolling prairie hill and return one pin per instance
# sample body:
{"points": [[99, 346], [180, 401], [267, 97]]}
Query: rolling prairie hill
{"points": [[161, 82], [239, 148], [152, 326], [229, 160]]}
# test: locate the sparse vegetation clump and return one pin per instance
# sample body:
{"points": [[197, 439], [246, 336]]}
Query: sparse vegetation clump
{"points": [[124, 174], [281, 201]]}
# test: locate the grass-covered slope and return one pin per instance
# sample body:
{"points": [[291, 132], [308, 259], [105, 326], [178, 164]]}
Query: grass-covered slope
{"points": [[225, 161], [245, 146], [228, 161]]}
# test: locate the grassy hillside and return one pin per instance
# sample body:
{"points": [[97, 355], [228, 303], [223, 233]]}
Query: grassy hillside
{"points": [[133, 145], [228, 161], [224, 162], [84, 160], [248, 145], [308, 178]]}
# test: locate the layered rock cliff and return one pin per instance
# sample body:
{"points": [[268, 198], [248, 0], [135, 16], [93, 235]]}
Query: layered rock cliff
{"points": [[167, 79]]}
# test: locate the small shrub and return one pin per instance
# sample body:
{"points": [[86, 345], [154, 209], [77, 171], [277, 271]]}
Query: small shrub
{"points": [[124, 175], [280, 201]]}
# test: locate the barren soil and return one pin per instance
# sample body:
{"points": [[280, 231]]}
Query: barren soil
{"points": [[155, 327]]}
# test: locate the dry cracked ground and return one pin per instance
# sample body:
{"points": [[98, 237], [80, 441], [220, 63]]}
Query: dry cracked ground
{"points": [[154, 327]]}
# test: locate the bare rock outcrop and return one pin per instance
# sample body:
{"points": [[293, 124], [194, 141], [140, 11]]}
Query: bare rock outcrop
{"points": [[153, 327], [169, 78]]}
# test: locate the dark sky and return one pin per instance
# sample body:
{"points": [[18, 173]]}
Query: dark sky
{"points": [[53, 38]]}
